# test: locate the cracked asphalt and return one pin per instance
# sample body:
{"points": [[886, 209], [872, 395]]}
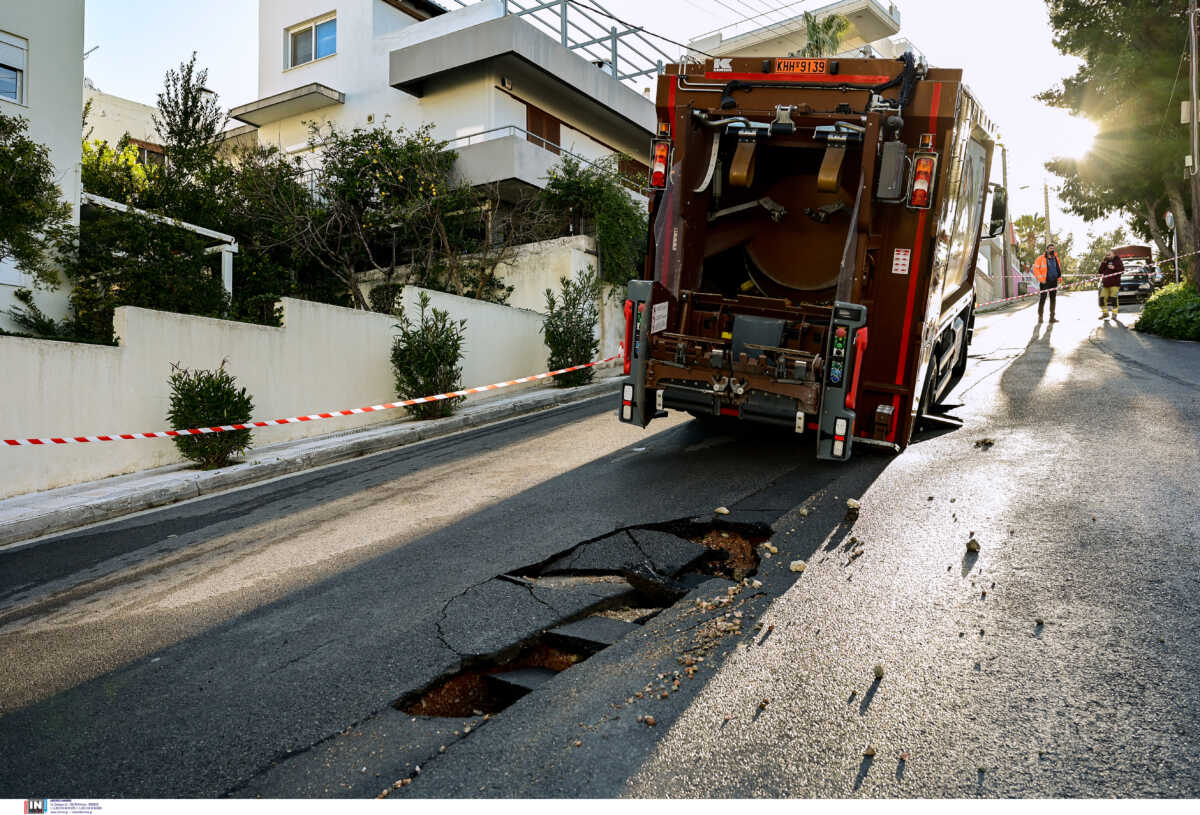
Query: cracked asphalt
{"points": [[252, 643]]}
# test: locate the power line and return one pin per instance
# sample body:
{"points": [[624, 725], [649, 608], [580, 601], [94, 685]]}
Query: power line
{"points": [[748, 19], [584, 5], [1171, 98]]}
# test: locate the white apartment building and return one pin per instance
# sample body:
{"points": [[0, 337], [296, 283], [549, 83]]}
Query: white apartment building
{"points": [[871, 26], [112, 117], [489, 77], [41, 79]]}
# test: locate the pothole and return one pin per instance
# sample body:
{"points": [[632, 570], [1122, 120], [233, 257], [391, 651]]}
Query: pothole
{"points": [[734, 545], [484, 689]]}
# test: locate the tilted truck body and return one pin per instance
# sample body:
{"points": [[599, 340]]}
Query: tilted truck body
{"points": [[813, 235]]}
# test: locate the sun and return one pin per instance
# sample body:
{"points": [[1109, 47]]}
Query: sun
{"points": [[1073, 137]]}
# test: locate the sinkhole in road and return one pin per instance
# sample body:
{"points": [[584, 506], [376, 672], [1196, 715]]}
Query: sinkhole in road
{"points": [[658, 564]]}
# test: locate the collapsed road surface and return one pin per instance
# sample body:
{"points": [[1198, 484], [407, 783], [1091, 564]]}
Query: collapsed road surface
{"points": [[550, 607]]}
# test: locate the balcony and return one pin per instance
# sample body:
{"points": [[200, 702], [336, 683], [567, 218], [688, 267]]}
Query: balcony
{"points": [[295, 102], [525, 54]]}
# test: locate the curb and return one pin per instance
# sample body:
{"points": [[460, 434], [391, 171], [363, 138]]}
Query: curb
{"points": [[46, 512]]}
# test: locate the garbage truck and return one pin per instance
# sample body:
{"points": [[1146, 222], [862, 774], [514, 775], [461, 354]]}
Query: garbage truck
{"points": [[814, 226]]}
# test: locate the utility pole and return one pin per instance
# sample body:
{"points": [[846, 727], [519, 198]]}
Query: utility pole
{"points": [[1193, 170], [1005, 286], [1046, 195]]}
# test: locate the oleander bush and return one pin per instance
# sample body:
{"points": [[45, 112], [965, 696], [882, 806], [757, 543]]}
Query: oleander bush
{"points": [[570, 328], [427, 359]]}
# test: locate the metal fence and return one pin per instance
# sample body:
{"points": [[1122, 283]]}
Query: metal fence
{"points": [[587, 28]]}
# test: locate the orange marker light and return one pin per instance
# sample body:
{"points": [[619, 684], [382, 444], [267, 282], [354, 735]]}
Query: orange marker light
{"points": [[922, 182], [658, 164]]}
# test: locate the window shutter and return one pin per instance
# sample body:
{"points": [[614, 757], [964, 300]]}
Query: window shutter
{"points": [[12, 56]]}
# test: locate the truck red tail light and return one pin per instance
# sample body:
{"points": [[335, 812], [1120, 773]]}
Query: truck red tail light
{"points": [[921, 190], [658, 164], [628, 336]]}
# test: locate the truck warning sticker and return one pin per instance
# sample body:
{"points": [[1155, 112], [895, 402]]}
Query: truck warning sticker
{"points": [[658, 318], [900, 261]]}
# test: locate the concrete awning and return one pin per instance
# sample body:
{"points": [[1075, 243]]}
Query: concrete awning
{"points": [[304, 99]]}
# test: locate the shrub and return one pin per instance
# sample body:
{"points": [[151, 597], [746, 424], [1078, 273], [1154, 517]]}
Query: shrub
{"points": [[207, 399], [426, 356], [384, 297], [1173, 311], [570, 328]]}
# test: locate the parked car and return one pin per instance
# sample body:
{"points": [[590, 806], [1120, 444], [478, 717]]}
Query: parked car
{"points": [[1137, 284]]}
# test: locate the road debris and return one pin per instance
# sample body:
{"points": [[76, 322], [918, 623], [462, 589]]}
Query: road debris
{"points": [[797, 566]]}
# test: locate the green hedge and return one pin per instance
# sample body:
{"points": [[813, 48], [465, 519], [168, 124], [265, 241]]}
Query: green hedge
{"points": [[1174, 312]]}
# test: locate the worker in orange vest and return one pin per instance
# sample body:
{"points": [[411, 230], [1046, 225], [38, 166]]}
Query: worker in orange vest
{"points": [[1048, 272]]}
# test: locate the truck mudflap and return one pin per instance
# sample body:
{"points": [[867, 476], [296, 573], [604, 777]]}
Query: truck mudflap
{"points": [[847, 345], [642, 312]]}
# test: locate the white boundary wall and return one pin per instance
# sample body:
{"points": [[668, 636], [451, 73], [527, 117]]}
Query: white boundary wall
{"points": [[323, 358]]}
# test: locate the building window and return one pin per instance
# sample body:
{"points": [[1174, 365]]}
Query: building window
{"points": [[312, 41], [13, 52]]}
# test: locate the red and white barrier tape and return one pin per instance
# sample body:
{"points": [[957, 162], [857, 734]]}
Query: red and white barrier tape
{"points": [[199, 431], [1030, 294]]}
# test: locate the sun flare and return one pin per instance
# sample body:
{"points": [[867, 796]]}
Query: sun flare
{"points": [[1073, 137]]}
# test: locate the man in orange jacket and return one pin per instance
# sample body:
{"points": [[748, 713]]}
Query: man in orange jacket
{"points": [[1048, 272]]}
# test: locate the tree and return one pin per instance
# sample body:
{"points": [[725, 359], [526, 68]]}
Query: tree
{"points": [[595, 198], [35, 221], [382, 197], [1031, 242], [824, 35], [1098, 246], [1127, 84], [189, 120]]}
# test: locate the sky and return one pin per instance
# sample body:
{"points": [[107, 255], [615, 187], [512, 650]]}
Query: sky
{"points": [[1004, 49]]}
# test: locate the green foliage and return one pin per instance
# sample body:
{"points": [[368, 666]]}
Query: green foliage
{"points": [[34, 219], [570, 327], [1098, 246], [1031, 242], [384, 298], [427, 356], [596, 193], [1173, 311], [189, 120], [384, 196], [126, 259], [114, 172], [201, 398], [35, 323], [1129, 84], [824, 35]]}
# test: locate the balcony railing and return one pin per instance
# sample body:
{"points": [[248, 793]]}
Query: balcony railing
{"points": [[515, 130], [587, 28]]}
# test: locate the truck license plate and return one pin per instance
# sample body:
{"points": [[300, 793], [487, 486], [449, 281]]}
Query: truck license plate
{"points": [[801, 66]]}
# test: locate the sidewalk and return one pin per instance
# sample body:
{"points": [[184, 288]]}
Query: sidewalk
{"points": [[24, 517]]}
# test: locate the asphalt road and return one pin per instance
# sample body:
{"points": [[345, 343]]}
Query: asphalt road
{"points": [[252, 643]]}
